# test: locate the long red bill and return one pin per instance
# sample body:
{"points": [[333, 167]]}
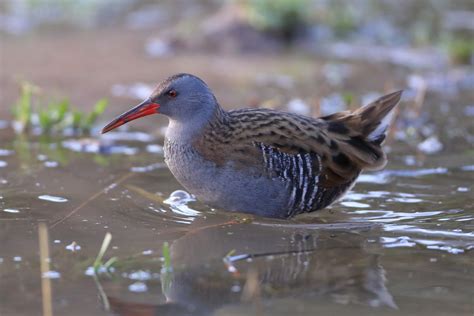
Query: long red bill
{"points": [[143, 109]]}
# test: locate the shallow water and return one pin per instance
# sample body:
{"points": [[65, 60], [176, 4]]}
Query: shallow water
{"points": [[400, 243]]}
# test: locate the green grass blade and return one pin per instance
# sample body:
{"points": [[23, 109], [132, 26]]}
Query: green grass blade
{"points": [[103, 249], [98, 109]]}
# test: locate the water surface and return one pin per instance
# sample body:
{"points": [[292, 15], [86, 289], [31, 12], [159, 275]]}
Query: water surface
{"points": [[400, 243]]}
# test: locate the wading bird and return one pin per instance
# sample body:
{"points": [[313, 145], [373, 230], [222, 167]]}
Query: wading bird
{"points": [[262, 161]]}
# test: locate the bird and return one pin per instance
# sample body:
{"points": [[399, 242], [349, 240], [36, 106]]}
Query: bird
{"points": [[262, 161]]}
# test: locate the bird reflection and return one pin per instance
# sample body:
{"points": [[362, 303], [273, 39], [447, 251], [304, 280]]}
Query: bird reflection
{"points": [[242, 263]]}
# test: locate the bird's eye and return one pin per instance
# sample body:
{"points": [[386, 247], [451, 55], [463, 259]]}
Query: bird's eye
{"points": [[172, 93]]}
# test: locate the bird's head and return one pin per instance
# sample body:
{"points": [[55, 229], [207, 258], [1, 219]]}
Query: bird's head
{"points": [[183, 98]]}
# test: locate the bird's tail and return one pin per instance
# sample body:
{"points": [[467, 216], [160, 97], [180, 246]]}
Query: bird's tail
{"points": [[362, 132], [375, 118]]}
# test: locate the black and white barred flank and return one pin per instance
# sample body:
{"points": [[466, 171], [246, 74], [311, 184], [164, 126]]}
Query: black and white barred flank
{"points": [[301, 173]]}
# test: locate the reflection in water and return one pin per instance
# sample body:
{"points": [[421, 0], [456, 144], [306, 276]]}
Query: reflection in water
{"points": [[339, 265]]}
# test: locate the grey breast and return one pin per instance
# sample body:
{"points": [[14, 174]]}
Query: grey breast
{"points": [[227, 187]]}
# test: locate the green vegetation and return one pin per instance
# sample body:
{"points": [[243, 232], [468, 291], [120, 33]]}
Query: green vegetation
{"points": [[166, 257], [54, 116], [98, 263], [23, 108], [341, 18], [460, 50], [166, 269], [281, 17]]}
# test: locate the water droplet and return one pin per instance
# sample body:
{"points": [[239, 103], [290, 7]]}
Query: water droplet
{"points": [[56, 199]]}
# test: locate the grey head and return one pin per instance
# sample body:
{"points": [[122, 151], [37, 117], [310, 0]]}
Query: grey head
{"points": [[184, 98]]}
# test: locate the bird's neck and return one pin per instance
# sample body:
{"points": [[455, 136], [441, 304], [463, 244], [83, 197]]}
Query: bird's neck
{"points": [[187, 132]]}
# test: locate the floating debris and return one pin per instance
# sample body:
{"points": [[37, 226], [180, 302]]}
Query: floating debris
{"points": [[10, 210], [138, 287], [431, 145], [90, 271], [73, 247], [51, 164], [140, 275], [5, 152], [51, 198], [17, 259], [3, 164], [51, 274]]}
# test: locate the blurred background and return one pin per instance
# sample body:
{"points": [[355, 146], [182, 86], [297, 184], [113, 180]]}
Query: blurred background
{"points": [[312, 57], [280, 53]]}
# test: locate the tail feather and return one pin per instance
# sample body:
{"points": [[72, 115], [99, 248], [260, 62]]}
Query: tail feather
{"points": [[361, 133], [375, 118]]}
